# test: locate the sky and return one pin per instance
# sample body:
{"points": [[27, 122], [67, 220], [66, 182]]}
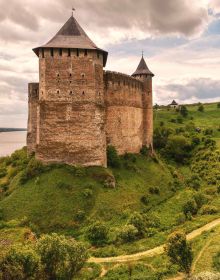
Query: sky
{"points": [[180, 40]]}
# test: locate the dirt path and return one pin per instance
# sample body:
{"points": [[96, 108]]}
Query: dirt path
{"points": [[155, 251], [200, 254]]}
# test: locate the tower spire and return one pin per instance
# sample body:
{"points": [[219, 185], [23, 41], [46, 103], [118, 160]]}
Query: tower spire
{"points": [[73, 9]]}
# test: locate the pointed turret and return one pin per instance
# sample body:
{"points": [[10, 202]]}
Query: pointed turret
{"points": [[72, 36], [142, 69]]}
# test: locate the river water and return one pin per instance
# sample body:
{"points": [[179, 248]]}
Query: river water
{"points": [[11, 141]]}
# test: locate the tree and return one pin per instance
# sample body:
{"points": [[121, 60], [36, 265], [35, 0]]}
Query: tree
{"points": [[218, 105], [178, 147], [20, 263], [179, 251], [184, 111], [190, 207], [201, 108], [61, 257], [98, 234], [161, 135], [138, 221]]}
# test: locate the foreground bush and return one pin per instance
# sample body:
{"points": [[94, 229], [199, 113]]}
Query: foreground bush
{"points": [[61, 257], [20, 263], [179, 251]]}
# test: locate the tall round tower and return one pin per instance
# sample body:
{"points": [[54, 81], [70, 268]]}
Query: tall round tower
{"points": [[145, 75], [71, 114]]}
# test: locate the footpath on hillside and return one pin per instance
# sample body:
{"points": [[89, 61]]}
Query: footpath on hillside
{"points": [[155, 251]]}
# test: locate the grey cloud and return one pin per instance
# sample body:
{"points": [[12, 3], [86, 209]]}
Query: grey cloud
{"points": [[203, 88]]}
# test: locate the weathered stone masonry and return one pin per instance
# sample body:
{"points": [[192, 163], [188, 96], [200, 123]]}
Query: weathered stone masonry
{"points": [[77, 109]]}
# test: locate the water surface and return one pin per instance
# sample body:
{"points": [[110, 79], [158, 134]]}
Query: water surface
{"points": [[11, 141]]}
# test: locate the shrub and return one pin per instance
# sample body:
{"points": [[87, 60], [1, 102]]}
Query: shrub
{"points": [[20, 263], [154, 190], [61, 257], [33, 169], [161, 135], [211, 191], [195, 141], [127, 233], [181, 218], [145, 199], [113, 159], [98, 234], [87, 193], [130, 157], [144, 150], [190, 207], [138, 221], [209, 210], [3, 172], [194, 182]]}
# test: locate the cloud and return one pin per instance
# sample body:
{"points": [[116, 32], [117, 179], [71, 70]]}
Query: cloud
{"points": [[205, 89]]}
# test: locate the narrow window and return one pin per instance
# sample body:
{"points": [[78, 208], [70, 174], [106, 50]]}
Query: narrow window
{"points": [[98, 54], [51, 51], [58, 91], [83, 93], [42, 53], [77, 52], [69, 52], [70, 75], [58, 75], [83, 75], [86, 52], [60, 52], [71, 92]]}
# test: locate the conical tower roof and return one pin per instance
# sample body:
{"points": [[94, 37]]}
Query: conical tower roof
{"points": [[72, 36], [142, 69]]}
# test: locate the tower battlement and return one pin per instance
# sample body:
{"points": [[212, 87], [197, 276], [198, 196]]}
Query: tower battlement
{"points": [[77, 108]]}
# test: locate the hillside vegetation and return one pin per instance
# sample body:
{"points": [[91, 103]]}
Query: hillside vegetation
{"points": [[130, 207]]}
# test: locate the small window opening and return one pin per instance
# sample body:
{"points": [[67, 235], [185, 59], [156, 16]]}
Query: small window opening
{"points": [[86, 52], [60, 52], [51, 51], [42, 53], [70, 75], [71, 92], [119, 83], [83, 93], [98, 54], [77, 52], [70, 82], [69, 52], [58, 91], [83, 75], [58, 75]]}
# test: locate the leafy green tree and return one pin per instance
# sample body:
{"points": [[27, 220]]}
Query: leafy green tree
{"points": [[178, 147], [201, 108], [61, 257], [179, 251], [184, 111], [98, 234], [20, 263]]}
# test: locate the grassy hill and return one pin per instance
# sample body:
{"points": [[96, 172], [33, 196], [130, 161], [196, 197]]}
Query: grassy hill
{"points": [[153, 191]]}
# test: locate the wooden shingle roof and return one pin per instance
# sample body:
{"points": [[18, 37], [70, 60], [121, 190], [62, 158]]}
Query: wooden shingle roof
{"points": [[142, 69], [72, 36]]}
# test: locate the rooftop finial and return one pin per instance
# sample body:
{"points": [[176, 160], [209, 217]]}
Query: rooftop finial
{"points": [[73, 9]]}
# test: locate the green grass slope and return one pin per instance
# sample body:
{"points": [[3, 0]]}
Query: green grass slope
{"points": [[52, 200]]}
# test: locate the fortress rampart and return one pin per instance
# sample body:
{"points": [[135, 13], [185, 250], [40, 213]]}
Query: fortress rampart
{"points": [[77, 108]]}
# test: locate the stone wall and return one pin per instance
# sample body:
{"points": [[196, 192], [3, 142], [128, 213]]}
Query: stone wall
{"points": [[124, 112], [72, 113], [33, 98]]}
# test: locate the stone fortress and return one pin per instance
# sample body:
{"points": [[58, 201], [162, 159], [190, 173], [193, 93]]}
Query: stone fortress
{"points": [[77, 109]]}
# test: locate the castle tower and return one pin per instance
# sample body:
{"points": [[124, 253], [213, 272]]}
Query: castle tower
{"points": [[67, 123], [145, 75]]}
